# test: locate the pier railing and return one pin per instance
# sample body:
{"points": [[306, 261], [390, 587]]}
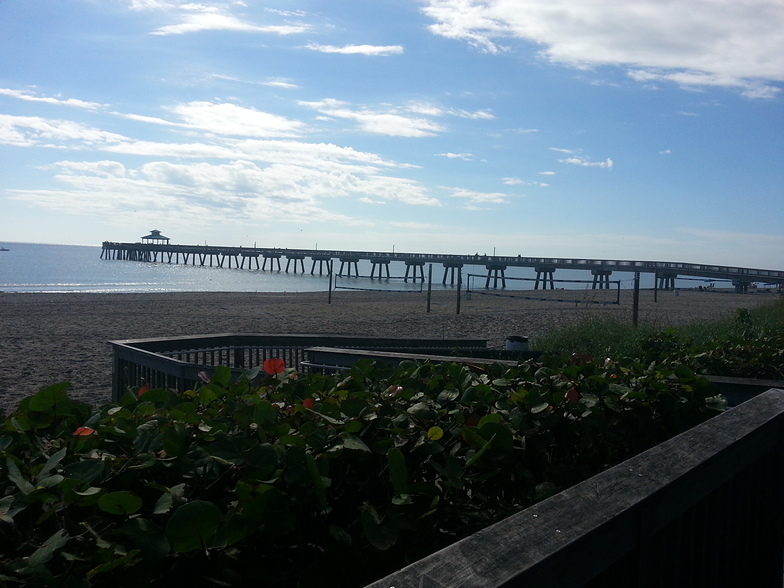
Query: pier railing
{"points": [[176, 362], [702, 509]]}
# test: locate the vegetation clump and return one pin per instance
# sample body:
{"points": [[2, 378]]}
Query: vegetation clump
{"points": [[287, 479], [750, 344]]}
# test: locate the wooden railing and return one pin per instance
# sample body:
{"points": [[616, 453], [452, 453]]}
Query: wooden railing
{"points": [[705, 508], [176, 362]]}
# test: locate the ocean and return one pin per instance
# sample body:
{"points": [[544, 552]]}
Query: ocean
{"points": [[33, 267]]}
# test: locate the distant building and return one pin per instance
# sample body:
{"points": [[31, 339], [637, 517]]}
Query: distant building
{"points": [[155, 237]]}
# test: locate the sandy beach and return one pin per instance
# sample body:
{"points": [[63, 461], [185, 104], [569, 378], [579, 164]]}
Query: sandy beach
{"points": [[49, 338]]}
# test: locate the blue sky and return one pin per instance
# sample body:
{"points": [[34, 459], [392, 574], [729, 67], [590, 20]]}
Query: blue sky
{"points": [[620, 129]]}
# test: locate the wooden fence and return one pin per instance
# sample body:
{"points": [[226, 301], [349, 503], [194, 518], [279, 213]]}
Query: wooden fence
{"points": [[175, 362], [705, 508]]}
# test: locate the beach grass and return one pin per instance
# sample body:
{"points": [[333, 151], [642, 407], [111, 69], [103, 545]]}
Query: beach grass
{"points": [[600, 336]]}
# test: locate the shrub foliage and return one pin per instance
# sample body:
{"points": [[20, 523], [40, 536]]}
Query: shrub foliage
{"points": [[287, 479]]}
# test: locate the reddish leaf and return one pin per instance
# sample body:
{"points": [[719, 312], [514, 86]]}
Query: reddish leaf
{"points": [[309, 403], [572, 395], [83, 431], [274, 366], [144, 389]]}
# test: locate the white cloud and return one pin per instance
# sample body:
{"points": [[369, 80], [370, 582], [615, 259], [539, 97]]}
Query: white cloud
{"points": [[479, 198], [276, 83], [32, 97], [521, 182], [375, 50], [559, 150], [104, 169], [393, 122], [463, 156], [199, 17], [280, 84], [586, 162], [29, 131], [547, 173], [238, 190], [701, 42], [230, 119]]}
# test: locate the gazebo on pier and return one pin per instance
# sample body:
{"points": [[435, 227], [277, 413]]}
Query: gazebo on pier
{"points": [[156, 238]]}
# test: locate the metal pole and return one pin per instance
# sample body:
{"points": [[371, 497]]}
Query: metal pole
{"points": [[329, 289], [655, 287], [636, 300], [459, 283], [429, 284]]}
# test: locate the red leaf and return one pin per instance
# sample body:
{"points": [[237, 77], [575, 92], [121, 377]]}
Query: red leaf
{"points": [[83, 432], [309, 403], [144, 389], [274, 365], [572, 395]]}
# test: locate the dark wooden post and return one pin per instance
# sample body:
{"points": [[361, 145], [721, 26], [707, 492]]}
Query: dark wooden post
{"points": [[636, 299], [429, 284], [459, 284]]}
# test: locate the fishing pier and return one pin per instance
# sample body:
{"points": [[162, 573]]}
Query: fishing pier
{"points": [[156, 248]]}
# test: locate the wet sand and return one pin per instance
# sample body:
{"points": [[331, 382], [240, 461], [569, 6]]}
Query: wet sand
{"points": [[50, 338]]}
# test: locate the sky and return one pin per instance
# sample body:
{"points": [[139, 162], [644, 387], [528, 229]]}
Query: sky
{"points": [[614, 129]]}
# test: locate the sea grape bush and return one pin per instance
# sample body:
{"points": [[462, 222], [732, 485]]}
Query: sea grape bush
{"points": [[312, 480], [749, 348]]}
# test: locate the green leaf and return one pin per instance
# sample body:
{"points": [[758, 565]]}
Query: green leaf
{"points": [[121, 502], [501, 436], [479, 454], [163, 504], [17, 478], [193, 525], [264, 413], [489, 418], [318, 482], [45, 553], [86, 471], [264, 457], [435, 433], [51, 463], [353, 442], [47, 398], [448, 395], [221, 376], [380, 536], [398, 472], [111, 565], [539, 407], [421, 411]]}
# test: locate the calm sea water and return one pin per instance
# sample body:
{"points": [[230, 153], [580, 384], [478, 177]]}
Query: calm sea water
{"points": [[28, 267]]}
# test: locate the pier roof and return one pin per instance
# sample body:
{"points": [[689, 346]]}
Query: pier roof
{"points": [[155, 235]]}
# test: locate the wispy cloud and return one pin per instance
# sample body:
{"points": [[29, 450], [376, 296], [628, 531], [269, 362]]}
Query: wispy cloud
{"points": [[478, 199], [463, 156], [709, 42], [586, 162], [33, 97], [276, 83], [194, 18], [231, 119], [374, 50], [391, 122], [521, 182]]}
